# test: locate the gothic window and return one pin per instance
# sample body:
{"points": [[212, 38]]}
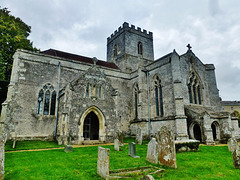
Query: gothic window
{"points": [[194, 89], [136, 90], [140, 48], [46, 100], [158, 96], [115, 51]]}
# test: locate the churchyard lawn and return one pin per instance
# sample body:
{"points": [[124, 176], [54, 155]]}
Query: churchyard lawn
{"points": [[210, 162]]}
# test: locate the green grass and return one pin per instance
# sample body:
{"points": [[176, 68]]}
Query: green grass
{"points": [[210, 162], [24, 145]]}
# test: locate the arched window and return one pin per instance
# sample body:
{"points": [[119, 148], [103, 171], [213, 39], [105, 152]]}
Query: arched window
{"points": [[46, 100], [194, 89], [158, 96], [115, 51], [140, 48], [135, 94]]}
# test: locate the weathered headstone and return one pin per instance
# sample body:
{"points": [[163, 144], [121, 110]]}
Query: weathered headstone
{"points": [[152, 152], [103, 162], [116, 144], [2, 158], [167, 152], [132, 150], [232, 144], [119, 136], [139, 136], [236, 159], [68, 148]]}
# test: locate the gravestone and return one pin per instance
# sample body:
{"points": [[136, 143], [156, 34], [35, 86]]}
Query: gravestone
{"points": [[167, 152], [139, 136], [132, 150], [69, 148], [232, 144], [152, 152], [2, 158], [103, 162], [116, 144], [236, 159], [119, 136]]}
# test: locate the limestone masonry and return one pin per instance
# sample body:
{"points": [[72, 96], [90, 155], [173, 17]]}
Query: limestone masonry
{"points": [[55, 94]]}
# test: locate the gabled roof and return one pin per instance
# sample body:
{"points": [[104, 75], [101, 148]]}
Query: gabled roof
{"points": [[65, 55], [230, 103]]}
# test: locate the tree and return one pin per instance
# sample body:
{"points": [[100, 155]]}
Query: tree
{"points": [[13, 36]]}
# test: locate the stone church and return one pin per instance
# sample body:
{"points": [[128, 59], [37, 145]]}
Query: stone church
{"points": [[57, 95]]}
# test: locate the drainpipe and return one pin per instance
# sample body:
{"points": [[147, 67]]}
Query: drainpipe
{"points": [[149, 122], [59, 71]]}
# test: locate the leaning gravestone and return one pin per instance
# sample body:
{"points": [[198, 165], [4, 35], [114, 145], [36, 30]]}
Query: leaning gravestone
{"points": [[236, 159], [139, 136], [116, 144], [132, 150], [2, 158], [103, 162], [152, 152], [119, 136], [232, 144], [167, 152]]}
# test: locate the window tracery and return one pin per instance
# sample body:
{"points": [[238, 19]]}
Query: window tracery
{"points": [[194, 89], [46, 100], [158, 96]]}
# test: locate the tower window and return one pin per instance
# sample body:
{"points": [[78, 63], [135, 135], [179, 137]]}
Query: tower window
{"points": [[115, 51], [140, 48], [136, 100], [46, 100]]}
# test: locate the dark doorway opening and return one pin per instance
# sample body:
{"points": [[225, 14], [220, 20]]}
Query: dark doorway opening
{"points": [[214, 131], [197, 132], [91, 127]]}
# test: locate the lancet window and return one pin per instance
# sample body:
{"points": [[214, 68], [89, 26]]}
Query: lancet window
{"points": [[140, 48], [158, 96], [136, 100], [94, 91], [194, 89], [46, 100], [115, 51]]}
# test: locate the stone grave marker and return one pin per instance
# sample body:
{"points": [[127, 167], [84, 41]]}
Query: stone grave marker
{"points": [[167, 152], [119, 136], [69, 148], [232, 144], [152, 152], [148, 177], [103, 162], [116, 144], [139, 136], [132, 150], [236, 159], [2, 158]]}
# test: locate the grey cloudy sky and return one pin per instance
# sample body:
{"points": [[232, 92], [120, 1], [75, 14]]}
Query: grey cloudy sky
{"points": [[212, 27]]}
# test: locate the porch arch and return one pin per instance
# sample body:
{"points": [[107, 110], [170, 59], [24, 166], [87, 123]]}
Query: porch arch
{"points": [[195, 131], [215, 130], [101, 120]]}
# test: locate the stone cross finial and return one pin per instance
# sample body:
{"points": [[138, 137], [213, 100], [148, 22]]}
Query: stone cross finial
{"points": [[189, 47], [95, 60]]}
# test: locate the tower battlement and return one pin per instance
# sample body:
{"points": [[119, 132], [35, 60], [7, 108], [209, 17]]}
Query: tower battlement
{"points": [[132, 29]]}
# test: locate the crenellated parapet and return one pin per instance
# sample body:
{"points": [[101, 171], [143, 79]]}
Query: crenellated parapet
{"points": [[132, 29]]}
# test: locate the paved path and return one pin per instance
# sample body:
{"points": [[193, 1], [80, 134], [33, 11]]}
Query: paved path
{"points": [[74, 146]]}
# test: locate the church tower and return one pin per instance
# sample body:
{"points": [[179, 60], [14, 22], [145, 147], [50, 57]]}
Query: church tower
{"points": [[129, 47]]}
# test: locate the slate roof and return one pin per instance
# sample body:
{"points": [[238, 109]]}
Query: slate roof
{"points": [[230, 103], [65, 55]]}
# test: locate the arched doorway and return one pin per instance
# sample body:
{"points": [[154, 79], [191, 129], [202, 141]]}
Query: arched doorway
{"points": [[197, 132], [91, 127], [214, 132]]}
